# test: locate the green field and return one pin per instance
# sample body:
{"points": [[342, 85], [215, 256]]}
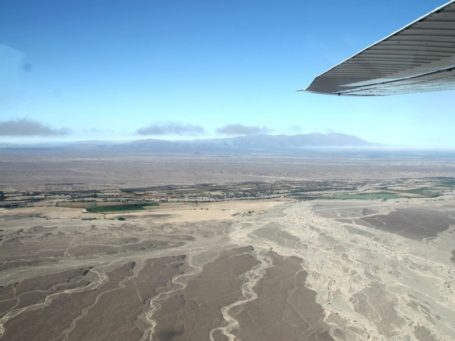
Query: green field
{"points": [[366, 196], [446, 182], [354, 196], [119, 208], [424, 192]]}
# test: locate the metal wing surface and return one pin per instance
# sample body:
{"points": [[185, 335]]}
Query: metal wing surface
{"points": [[418, 58]]}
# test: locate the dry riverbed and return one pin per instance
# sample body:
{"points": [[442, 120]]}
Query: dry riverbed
{"points": [[233, 270]]}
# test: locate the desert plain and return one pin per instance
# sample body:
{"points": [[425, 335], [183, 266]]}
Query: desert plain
{"points": [[321, 250]]}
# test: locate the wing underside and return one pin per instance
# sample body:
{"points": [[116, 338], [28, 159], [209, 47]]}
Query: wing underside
{"points": [[417, 58]]}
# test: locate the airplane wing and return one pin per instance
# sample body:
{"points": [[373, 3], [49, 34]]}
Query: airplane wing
{"points": [[420, 57]]}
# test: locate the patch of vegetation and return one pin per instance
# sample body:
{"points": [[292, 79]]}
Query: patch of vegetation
{"points": [[367, 196], [120, 208], [424, 192], [309, 197], [354, 196], [446, 182]]}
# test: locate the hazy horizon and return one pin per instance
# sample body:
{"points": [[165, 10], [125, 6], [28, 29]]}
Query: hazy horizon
{"points": [[263, 141], [69, 139]]}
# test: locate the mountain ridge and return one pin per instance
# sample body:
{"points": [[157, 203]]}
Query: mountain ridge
{"points": [[263, 143]]}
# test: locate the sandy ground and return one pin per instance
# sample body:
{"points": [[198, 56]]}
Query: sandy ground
{"points": [[372, 284], [194, 212], [237, 270]]}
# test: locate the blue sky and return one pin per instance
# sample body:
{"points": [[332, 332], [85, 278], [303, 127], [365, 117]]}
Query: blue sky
{"points": [[102, 69]]}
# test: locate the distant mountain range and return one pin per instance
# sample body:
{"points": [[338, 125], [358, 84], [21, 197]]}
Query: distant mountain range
{"points": [[282, 144], [252, 144]]}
